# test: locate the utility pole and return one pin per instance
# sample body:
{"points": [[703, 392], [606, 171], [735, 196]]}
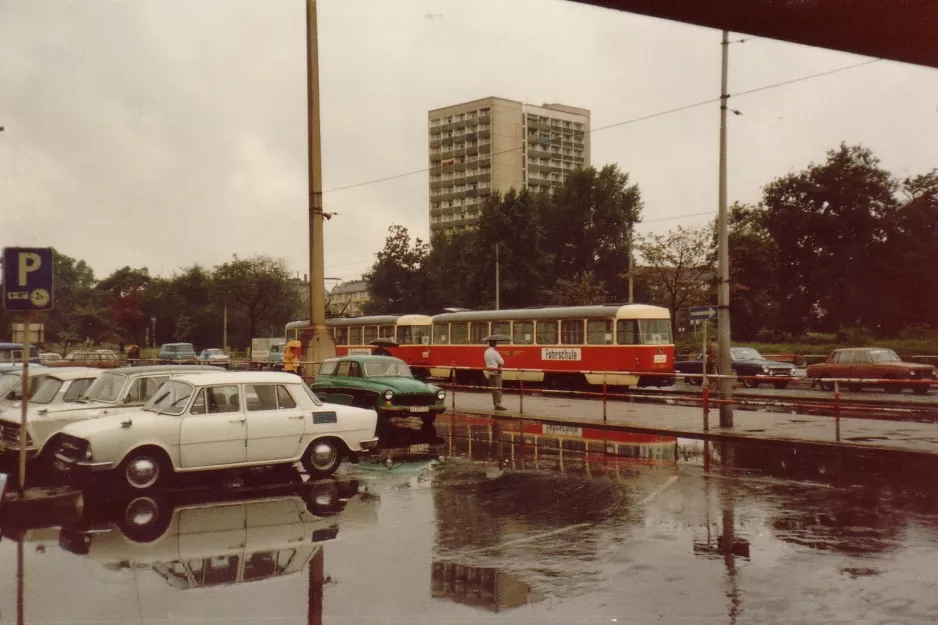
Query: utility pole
{"points": [[319, 344], [497, 282], [224, 337], [631, 264], [723, 291]]}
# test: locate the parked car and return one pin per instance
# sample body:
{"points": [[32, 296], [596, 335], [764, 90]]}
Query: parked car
{"points": [[11, 356], [60, 386], [47, 358], [871, 363], [748, 364], [113, 391], [211, 541], [382, 383], [182, 353], [214, 356], [101, 358], [275, 356], [11, 384], [217, 421]]}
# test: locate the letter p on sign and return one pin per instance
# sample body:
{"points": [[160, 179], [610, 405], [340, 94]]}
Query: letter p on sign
{"points": [[27, 278]]}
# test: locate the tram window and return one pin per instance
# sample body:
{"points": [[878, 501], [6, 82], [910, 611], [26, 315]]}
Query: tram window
{"points": [[355, 336], [571, 332], [371, 333], [441, 333], [501, 327], [478, 331], [599, 331], [654, 331], [523, 333], [459, 333], [625, 332], [413, 335], [546, 332], [341, 336], [386, 332]]}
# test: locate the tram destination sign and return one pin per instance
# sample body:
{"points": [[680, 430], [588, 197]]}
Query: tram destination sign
{"points": [[27, 278], [700, 313]]}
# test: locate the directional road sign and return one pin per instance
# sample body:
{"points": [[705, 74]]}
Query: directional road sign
{"points": [[703, 312], [27, 278]]}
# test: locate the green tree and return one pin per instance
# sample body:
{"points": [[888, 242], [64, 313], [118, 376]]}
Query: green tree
{"points": [[677, 267], [399, 281], [452, 273], [259, 297], [830, 223]]}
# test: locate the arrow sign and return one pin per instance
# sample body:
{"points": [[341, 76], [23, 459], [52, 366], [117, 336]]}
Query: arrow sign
{"points": [[703, 312]]}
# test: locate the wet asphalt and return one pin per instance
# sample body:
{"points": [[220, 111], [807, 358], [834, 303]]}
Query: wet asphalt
{"points": [[475, 522]]}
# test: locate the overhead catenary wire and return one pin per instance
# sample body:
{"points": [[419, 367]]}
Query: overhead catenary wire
{"points": [[626, 122]]}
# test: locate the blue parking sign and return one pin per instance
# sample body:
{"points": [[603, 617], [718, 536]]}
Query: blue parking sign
{"points": [[27, 278]]}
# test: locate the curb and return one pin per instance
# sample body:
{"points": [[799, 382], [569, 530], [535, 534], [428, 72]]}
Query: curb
{"points": [[726, 437]]}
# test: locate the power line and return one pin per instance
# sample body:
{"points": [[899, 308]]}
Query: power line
{"points": [[626, 122]]}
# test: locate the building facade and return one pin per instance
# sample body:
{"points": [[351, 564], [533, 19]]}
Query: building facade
{"points": [[495, 144], [348, 299]]}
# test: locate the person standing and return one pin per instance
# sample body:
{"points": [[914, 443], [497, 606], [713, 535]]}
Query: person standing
{"points": [[713, 359], [493, 365], [381, 350], [291, 358]]}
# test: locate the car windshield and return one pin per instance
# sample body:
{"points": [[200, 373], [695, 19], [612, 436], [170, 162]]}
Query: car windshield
{"points": [[106, 388], [9, 381], [171, 398], [387, 369], [884, 355], [745, 353], [47, 391]]}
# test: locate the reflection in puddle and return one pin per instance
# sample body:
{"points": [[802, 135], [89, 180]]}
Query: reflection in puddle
{"points": [[481, 587]]}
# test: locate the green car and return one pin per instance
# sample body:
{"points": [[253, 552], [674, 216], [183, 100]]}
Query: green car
{"points": [[382, 383]]}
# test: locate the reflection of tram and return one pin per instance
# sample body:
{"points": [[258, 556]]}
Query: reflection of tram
{"points": [[480, 586], [211, 543]]}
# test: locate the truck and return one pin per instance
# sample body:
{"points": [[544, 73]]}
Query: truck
{"points": [[261, 349]]}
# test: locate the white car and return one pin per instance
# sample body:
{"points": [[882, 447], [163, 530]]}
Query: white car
{"points": [[113, 391], [214, 356], [218, 421]]}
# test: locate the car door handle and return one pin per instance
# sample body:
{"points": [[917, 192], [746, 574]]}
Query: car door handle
{"points": [[236, 420], [300, 417]]}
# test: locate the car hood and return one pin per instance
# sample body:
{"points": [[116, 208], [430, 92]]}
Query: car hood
{"points": [[91, 427], [403, 386]]}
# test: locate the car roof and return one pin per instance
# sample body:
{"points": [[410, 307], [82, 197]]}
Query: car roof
{"points": [[162, 369], [362, 358], [241, 377], [71, 373], [172, 344]]}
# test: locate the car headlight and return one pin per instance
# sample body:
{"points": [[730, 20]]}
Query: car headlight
{"points": [[765, 370], [87, 453], [388, 394], [441, 394]]}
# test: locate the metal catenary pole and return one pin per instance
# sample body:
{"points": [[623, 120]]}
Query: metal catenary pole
{"points": [[723, 293], [24, 397]]}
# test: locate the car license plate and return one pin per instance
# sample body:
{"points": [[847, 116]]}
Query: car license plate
{"points": [[420, 408], [421, 448]]}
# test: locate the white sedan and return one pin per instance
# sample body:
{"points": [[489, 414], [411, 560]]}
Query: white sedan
{"points": [[218, 421], [214, 356]]}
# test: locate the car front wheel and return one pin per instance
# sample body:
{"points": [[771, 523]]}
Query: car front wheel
{"points": [[322, 457], [142, 470]]}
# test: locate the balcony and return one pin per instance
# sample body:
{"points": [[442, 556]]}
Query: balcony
{"points": [[435, 184]]}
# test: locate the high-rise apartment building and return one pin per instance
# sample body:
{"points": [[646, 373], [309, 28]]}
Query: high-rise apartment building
{"points": [[495, 144]]}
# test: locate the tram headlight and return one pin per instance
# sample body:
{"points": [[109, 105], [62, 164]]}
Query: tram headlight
{"points": [[388, 394], [441, 394]]}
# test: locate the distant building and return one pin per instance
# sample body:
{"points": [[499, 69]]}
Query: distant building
{"points": [[495, 144], [348, 299]]}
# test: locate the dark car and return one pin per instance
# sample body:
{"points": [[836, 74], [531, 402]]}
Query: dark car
{"points": [[871, 363], [748, 364], [381, 383]]}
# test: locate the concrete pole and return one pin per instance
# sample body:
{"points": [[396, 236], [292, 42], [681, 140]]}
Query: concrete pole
{"points": [[723, 293], [319, 344], [497, 281], [631, 265], [224, 337]]}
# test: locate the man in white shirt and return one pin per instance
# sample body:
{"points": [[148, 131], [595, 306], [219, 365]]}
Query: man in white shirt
{"points": [[493, 365]]}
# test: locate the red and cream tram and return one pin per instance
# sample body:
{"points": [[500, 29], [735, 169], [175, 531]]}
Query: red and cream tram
{"points": [[353, 335], [561, 347]]}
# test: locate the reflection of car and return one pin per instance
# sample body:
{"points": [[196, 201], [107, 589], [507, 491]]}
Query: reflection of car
{"points": [[177, 352], [218, 421], [101, 358], [214, 356], [203, 544], [382, 383], [113, 391], [871, 363], [49, 357], [748, 364]]}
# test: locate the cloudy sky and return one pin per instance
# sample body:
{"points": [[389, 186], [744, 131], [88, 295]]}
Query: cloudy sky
{"points": [[162, 134]]}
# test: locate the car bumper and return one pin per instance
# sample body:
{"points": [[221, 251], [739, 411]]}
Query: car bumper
{"points": [[368, 445], [14, 448], [91, 466], [413, 410]]}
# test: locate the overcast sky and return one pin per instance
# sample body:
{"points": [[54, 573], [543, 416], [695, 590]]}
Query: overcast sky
{"points": [[162, 134]]}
